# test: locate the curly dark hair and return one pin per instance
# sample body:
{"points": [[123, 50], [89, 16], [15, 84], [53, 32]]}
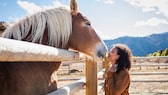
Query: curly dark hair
{"points": [[125, 59]]}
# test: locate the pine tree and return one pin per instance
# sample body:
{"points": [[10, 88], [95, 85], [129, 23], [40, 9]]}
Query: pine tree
{"points": [[163, 53], [166, 54]]}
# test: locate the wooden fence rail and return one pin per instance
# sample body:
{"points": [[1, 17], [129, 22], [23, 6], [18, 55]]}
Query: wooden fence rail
{"points": [[151, 59], [14, 50], [146, 65], [149, 73], [69, 89]]}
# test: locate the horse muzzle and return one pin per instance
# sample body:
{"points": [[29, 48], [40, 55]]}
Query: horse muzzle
{"points": [[101, 50]]}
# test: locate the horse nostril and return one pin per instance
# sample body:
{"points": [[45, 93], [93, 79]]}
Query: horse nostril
{"points": [[101, 50], [101, 53]]}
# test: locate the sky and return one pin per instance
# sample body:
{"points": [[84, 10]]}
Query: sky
{"points": [[110, 18]]}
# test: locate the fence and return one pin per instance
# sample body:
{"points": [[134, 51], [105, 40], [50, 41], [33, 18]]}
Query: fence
{"points": [[154, 62], [157, 59], [13, 50]]}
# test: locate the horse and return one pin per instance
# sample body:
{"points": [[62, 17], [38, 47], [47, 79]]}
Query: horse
{"points": [[64, 28]]}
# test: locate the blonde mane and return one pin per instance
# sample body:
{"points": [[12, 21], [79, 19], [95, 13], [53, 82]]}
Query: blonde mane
{"points": [[57, 20]]}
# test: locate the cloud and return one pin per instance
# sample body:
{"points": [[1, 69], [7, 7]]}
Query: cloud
{"points": [[156, 6], [151, 22], [102, 35], [106, 1], [14, 19], [29, 7], [32, 8], [58, 4]]}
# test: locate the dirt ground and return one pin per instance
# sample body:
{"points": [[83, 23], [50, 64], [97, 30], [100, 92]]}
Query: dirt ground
{"points": [[136, 88]]}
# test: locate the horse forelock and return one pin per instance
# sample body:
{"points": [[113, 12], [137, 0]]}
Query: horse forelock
{"points": [[57, 20]]}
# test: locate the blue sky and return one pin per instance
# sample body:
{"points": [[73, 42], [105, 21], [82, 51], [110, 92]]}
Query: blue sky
{"points": [[110, 18]]}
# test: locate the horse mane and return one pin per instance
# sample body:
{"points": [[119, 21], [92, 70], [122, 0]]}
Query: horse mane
{"points": [[57, 20]]}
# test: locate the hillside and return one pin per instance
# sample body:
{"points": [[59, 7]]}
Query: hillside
{"points": [[141, 46], [159, 53]]}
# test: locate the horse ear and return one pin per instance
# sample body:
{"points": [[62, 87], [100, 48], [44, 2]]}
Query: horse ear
{"points": [[74, 7]]}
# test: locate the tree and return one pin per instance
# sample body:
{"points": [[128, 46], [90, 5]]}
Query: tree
{"points": [[166, 54], [159, 53]]}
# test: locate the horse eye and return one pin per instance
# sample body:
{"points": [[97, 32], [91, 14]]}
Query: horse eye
{"points": [[88, 23]]}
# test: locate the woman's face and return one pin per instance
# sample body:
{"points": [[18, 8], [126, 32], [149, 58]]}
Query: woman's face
{"points": [[113, 56]]}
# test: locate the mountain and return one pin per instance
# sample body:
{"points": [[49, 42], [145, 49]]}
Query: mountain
{"points": [[141, 46]]}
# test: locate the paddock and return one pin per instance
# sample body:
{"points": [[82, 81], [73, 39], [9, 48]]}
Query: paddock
{"points": [[147, 77], [149, 80]]}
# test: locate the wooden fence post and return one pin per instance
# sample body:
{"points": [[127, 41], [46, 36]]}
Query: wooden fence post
{"points": [[91, 76]]}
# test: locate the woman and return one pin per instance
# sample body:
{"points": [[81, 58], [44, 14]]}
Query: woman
{"points": [[117, 80]]}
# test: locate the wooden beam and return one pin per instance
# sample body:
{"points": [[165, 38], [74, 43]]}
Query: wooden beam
{"points": [[69, 89], [91, 77], [150, 65], [14, 50], [149, 81], [149, 73]]}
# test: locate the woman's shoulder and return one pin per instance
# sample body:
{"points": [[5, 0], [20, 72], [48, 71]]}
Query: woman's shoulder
{"points": [[124, 72], [110, 74]]}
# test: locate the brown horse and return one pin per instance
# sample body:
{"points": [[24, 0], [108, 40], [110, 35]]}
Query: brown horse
{"points": [[60, 28]]}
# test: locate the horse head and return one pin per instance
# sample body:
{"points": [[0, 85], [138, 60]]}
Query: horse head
{"points": [[83, 37]]}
